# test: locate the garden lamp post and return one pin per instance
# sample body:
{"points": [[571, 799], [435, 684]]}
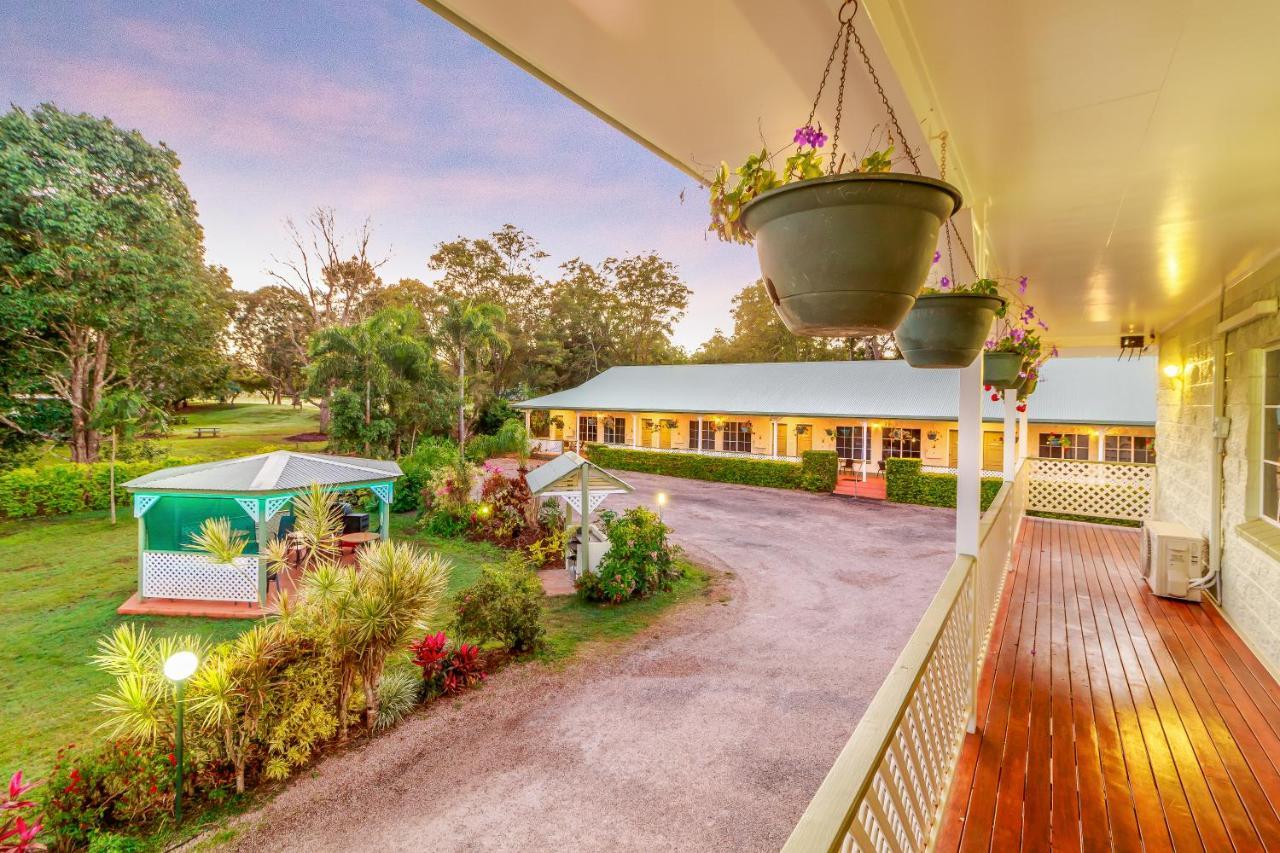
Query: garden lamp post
{"points": [[662, 501], [178, 668]]}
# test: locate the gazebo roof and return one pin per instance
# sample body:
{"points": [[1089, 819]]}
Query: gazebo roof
{"points": [[563, 474], [278, 471]]}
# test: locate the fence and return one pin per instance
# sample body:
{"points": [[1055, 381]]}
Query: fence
{"points": [[546, 445], [176, 574], [892, 778], [1119, 490]]}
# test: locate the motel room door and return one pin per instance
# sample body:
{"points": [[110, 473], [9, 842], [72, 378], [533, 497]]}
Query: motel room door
{"points": [[992, 449], [804, 438], [664, 434], [781, 439]]}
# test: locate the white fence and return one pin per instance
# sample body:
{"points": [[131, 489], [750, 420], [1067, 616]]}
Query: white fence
{"points": [[178, 574], [552, 446], [730, 454], [1121, 490], [891, 780]]}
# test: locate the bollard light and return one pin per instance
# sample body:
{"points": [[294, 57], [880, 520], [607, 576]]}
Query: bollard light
{"points": [[661, 498], [178, 668]]}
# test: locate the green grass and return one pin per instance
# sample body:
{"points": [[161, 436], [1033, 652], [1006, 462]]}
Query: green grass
{"points": [[247, 428], [65, 575]]}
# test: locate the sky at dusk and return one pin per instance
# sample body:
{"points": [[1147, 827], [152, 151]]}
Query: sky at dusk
{"points": [[377, 108]]}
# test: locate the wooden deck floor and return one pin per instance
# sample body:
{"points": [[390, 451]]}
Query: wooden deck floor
{"points": [[1110, 718]]}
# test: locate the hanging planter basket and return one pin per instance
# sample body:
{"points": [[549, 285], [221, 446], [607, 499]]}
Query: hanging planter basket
{"points": [[845, 255], [1028, 388], [1000, 369], [947, 329]]}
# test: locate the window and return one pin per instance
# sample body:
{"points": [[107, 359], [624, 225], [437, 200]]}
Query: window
{"points": [[708, 436], [900, 443], [587, 428], [851, 443], [1271, 438], [1129, 448], [615, 430], [1058, 445], [737, 436]]}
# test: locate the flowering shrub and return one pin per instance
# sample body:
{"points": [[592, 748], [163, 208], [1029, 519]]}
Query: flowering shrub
{"points": [[18, 826], [430, 455], [504, 606], [506, 514], [445, 669], [115, 786], [639, 561]]}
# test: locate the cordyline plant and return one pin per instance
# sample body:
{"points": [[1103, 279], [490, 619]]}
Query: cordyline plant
{"points": [[219, 541], [363, 613], [732, 190], [139, 706], [18, 825]]}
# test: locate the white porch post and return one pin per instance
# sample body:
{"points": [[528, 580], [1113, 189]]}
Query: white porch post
{"points": [[635, 430], [1010, 434], [1024, 434], [969, 507], [866, 447], [699, 433], [1098, 441], [577, 433], [528, 422], [773, 433]]}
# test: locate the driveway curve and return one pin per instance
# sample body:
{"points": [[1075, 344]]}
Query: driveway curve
{"points": [[710, 731]]}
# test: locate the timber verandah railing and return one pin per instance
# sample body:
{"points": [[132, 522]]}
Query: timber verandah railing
{"points": [[891, 779]]}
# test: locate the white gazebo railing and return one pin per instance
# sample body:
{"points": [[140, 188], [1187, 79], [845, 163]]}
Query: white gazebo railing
{"points": [[1120, 490], [189, 575]]}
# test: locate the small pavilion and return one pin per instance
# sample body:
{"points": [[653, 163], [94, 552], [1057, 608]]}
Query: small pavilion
{"points": [[253, 493], [582, 486]]}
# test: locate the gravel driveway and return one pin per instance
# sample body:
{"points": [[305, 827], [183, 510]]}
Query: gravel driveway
{"points": [[711, 731]]}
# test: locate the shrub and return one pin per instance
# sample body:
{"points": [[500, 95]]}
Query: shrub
{"points": [[639, 561], [398, 693], [449, 487], [111, 842], [511, 438], [71, 487], [504, 606], [506, 514], [906, 483], [818, 470], [115, 786], [446, 669], [448, 523], [301, 713], [430, 455], [18, 824], [693, 466], [463, 670]]}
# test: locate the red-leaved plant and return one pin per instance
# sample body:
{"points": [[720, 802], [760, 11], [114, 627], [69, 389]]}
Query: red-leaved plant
{"points": [[444, 669], [18, 824], [464, 669]]}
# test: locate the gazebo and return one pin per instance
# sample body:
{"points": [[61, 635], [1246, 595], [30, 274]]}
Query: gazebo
{"points": [[252, 493], [583, 486]]}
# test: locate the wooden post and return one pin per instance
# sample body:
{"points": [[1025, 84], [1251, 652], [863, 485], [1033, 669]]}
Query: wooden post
{"points": [[969, 507], [1010, 435], [261, 543], [584, 549]]}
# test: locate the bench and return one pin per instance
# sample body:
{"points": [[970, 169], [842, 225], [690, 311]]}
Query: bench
{"points": [[213, 432]]}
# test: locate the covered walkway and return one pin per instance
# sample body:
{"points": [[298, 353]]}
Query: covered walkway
{"points": [[1110, 718]]}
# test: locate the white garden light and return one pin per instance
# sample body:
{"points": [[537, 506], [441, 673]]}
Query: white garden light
{"points": [[180, 666]]}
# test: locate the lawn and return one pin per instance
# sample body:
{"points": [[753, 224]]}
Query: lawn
{"points": [[247, 428], [64, 577]]}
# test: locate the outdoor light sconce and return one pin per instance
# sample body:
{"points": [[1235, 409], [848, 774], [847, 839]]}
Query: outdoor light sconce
{"points": [[933, 435]]}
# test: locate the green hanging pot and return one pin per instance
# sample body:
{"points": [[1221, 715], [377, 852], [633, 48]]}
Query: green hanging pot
{"points": [[1000, 369], [947, 329], [845, 255], [1028, 388]]}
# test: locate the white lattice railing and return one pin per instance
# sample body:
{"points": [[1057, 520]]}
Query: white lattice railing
{"points": [[1121, 490], [732, 454], [546, 445], [891, 779], [178, 574]]}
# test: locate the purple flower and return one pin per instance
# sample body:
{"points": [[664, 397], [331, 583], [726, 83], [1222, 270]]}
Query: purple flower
{"points": [[946, 283], [1054, 352], [937, 256], [1017, 335], [1022, 284], [811, 136], [1043, 325], [1028, 315]]}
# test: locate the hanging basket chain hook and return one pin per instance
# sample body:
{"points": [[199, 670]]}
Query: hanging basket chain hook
{"points": [[884, 99], [835, 131]]}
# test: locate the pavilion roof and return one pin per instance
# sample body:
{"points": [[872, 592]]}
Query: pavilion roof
{"points": [[280, 470]]}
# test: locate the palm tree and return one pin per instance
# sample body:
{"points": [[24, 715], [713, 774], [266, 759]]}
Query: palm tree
{"points": [[371, 356], [474, 329]]}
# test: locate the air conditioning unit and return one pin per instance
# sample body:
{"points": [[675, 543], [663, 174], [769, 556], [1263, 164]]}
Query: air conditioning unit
{"points": [[1172, 556]]}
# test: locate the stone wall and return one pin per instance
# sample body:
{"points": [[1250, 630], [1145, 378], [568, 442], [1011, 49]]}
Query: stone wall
{"points": [[1249, 590]]}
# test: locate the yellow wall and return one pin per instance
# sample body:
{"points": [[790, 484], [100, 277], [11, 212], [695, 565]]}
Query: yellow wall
{"points": [[934, 451]]}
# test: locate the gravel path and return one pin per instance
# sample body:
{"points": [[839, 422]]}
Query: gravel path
{"points": [[711, 731]]}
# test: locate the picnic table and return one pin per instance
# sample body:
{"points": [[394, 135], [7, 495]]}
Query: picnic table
{"points": [[212, 432]]}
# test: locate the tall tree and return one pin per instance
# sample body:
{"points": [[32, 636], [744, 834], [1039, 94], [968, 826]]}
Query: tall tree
{"points": [[270, 328], [120, 414], [760, 336], [101, 258], [335, 277], [468, 330]]}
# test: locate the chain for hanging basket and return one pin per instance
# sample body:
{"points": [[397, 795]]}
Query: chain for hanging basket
{"points": [[847, 32]]}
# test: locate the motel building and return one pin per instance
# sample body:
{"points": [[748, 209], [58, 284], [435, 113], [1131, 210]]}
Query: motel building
{"points": [[1087, 409]]}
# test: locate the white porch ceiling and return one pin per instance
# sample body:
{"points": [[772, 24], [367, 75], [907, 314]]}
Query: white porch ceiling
{"points": [[1125, 156]]}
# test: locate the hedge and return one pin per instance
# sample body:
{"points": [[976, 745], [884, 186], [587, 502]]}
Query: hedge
{"points": [[905, 483], [71, 487], [695, 466], [818, 470]]}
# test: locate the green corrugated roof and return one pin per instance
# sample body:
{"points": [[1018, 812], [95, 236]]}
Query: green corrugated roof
{"points": [[1092, 390]]}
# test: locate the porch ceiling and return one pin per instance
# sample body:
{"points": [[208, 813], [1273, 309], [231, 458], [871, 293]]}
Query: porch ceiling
{"points": [[1121, 154]]}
